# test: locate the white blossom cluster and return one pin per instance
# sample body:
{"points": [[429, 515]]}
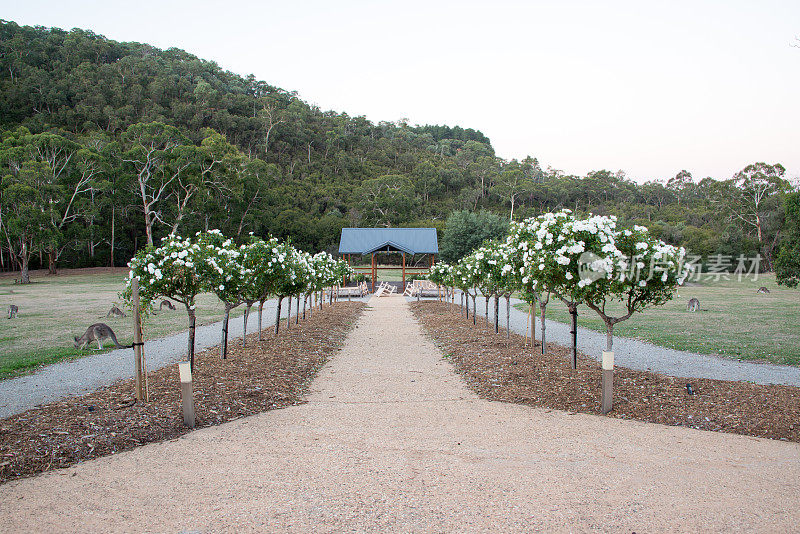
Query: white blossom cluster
{"points": [[576, 258], [182, 268]]}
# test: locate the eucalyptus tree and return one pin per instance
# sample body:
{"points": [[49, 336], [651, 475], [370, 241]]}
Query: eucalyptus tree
{"points": [[752, 197], [25, 213], [157, 155]]}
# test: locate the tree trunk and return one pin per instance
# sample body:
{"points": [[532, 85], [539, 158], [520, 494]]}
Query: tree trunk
{"points": [[278, 315], [508, 316], [148, 226], [544, 341], [486, 297], [573, 310], [609, 335], [25, 277], [51, 262], [223, 346], [244, 326], [111, 263], [474, 315], [192, 323], [305, 299], [297, 311], [497, 313], [260, 311]]}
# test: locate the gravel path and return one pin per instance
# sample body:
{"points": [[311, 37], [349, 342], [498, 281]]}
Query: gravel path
{"points": [[644, 356], [83, 375], [392, 440]]}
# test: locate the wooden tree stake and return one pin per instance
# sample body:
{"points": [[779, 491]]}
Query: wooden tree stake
{"points": [[137, 340], [187, 400]]}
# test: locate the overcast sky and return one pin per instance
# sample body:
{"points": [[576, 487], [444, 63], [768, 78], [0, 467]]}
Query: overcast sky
{"points": [[647, 87]]}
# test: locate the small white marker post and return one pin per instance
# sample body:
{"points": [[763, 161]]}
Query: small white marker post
{"points": [[187, 400], [607, 400]]}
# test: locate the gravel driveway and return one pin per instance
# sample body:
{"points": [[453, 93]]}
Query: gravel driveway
{"points": [[644, 356], [392, 440], [75, 377]]}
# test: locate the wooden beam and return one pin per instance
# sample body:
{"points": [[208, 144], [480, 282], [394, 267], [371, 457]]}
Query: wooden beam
{"points": [[404, 271]]}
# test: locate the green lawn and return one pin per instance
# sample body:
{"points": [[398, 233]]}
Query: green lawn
{"points": [[733, 321], [54, 309]]}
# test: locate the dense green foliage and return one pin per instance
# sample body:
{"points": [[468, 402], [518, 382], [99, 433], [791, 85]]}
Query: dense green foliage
{"points": [[114, 145], [787, 264], [466, 231]]}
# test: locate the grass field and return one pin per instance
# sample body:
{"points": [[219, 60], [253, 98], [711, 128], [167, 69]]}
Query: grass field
{"points": [[734, 321], [54, 309]]}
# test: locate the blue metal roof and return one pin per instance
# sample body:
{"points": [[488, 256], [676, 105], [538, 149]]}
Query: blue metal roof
{"points": [[408, 240]]}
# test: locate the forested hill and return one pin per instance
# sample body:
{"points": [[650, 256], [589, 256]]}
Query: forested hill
{"points": [[106, 145]]}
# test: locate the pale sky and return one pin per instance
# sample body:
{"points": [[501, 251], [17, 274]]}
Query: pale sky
{"points": [[647, 87]]}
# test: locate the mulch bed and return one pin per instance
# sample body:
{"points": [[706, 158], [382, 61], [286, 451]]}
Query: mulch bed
{"points": [[266, 375], [511, 371]]}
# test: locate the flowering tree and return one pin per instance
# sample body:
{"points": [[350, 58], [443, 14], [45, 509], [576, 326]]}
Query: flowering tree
{"points": [[531, 243], [495, 267], [222, 273], [261, 277], [169, 270], [635, 269], [440, 275], [290, 268]]}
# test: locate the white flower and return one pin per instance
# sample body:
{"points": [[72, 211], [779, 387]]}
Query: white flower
{"points": [[568, 275]]}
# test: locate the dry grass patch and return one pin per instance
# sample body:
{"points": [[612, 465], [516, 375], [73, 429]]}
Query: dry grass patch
{"points": [[53, 309], [266, 375], [511, 371], [734, 320]]}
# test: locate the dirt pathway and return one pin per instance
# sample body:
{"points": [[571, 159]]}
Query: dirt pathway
{"points": [[392, 440]]}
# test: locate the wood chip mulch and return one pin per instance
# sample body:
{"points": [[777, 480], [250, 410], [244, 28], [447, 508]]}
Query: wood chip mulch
{"points": [[273, 373], [511, 371]]}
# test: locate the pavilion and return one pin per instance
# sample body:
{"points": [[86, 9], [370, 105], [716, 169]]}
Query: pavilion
{"points": [[411, 241]]}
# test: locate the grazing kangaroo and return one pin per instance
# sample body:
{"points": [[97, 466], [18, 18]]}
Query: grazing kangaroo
{"points": [[13, 311], [116, 312], [166, 303], [762, 289], [694, 305], [97, 332]]}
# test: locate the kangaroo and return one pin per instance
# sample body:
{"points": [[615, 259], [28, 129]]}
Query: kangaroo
{"points": [[166, 303], [762, 289], [13, 311], [694, 305], [116, 312], [97, 332]]}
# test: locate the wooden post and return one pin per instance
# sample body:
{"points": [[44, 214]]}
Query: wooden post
{"points": [[404, 271], [374, 272], [137, 339], [607, 398], [187, 401]]}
